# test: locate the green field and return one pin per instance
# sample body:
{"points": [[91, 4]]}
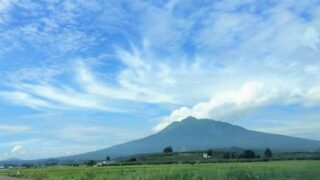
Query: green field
{"points": [[251, 170]]}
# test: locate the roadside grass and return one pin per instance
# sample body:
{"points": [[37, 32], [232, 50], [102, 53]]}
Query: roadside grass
{"points": [[278, 170]]}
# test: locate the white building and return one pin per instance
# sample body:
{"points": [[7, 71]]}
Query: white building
{"points": [[205, 155]]}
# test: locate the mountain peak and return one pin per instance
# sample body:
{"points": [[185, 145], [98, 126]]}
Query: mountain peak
{"points": [[189, 118], [176, 124], [193, 124]]}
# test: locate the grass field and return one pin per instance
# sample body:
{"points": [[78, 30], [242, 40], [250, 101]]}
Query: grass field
{"points": [[255, 170]]}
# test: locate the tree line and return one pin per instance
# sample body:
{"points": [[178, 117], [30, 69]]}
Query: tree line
{"points": [[229, 155]]}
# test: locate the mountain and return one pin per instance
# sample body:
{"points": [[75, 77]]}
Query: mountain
{"points": [[10, 161], [13, 159], [200, 134]]}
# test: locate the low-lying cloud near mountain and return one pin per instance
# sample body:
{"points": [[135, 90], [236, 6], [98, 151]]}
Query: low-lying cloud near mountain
{"points": [[236, 103]]}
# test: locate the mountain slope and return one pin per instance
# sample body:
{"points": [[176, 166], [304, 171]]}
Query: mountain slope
{"points": [[194, 134]]}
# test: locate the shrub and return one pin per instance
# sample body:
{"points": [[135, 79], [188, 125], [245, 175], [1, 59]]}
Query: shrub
{"points": [[91, 163], [248, 154], [133, 159], [168, 149]]}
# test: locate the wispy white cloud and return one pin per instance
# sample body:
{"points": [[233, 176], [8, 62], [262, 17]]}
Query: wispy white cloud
{"points": [[87, 92], [65, 96], [7, 129], [22, 142], [78, 132], [123, 91], [25, 99]]}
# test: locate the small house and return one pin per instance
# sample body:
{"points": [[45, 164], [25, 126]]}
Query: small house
{"points": [[102, 163], [205, 156]]}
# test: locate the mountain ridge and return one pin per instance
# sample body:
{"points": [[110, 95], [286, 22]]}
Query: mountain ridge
{"points": [[198, 134]]}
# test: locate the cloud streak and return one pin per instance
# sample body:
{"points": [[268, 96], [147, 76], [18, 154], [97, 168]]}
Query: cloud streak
{"points": [[6, 129]]}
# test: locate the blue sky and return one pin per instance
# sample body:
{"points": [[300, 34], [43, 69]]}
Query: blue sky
{"points": [[81, 75]]}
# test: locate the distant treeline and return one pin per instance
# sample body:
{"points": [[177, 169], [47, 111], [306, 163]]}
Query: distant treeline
{"points": [[212, 156], [170, 157]]}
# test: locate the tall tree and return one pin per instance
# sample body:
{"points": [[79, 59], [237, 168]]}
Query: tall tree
{"points": [[168, 149], [108, 158], [268, 153]]}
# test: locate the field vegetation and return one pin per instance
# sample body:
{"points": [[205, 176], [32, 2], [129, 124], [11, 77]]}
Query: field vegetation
{"points": [[307, 170]]}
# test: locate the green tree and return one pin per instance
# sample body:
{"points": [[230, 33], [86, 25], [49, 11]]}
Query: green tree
{"points": [[210, 152], [268, 153], [226, 155], [168, 149], [91, 163], [133, 159], [108, 158], [248, 154]]}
